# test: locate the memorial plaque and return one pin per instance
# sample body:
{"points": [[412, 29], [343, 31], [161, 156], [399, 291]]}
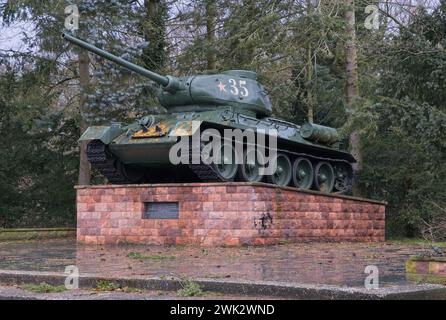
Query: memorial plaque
{"points": [[161, 210]]}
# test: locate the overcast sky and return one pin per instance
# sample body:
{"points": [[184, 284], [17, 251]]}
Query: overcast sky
{"points": [[10, 37]]}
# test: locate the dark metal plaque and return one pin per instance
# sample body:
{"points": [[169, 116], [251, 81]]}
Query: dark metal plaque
{"points": [[161, 210]]}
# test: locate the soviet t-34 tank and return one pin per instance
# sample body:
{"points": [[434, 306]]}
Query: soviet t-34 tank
{"points": [[307, 156]]}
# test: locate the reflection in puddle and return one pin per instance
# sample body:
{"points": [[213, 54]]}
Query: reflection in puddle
{"points": [[317, 263]]}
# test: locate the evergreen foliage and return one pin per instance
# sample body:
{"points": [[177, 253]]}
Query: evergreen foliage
{"points": [[297, 48]]}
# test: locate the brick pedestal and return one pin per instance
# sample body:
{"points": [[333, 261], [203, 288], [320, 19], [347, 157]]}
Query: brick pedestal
{"points": [[223, 214]]}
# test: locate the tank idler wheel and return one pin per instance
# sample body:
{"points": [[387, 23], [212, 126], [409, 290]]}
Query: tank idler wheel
{"points": [[303, 173], [284, 171], [226, 164], [324, 178], [250, 169], [343, 178]]}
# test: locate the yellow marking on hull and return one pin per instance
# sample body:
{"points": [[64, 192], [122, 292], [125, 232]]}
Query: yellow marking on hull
{"points": [[158, 130]]}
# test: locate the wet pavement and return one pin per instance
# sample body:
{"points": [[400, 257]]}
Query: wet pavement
{"points": [[18, 293], [340, 264]]}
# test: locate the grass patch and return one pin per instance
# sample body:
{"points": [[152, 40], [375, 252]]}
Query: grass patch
{"points": [[104, 285], [190, 289], [140, 256], [415, 241], [132, 290], [43, 288], [35, 234]]}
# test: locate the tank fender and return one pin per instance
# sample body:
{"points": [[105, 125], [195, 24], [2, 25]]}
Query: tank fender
{"points": [[104, 133]]}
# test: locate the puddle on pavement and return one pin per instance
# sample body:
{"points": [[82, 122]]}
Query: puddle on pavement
{"points": [[317, 263]]}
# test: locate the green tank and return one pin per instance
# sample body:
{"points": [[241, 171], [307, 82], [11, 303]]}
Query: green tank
{"points": [[307, 156]]}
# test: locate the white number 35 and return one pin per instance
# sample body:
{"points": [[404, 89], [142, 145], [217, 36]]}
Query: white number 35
{"points": [[239, 87]]}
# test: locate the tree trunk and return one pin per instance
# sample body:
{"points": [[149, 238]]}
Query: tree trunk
{"points": [[352, 85], [309, 71], [210, 34], [154, 30], [351, 56], [310, 98], [84, 80]]}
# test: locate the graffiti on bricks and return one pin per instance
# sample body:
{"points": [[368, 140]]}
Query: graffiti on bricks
{"points": [[264, 222]]}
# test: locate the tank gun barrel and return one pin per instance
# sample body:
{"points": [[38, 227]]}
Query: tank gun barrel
{"points": [[163, 80]]}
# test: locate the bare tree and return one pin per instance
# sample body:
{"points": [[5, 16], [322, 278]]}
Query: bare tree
{"points": [[352, 82], [310, 71], [434, 230], [210, 33], [84, 81]]}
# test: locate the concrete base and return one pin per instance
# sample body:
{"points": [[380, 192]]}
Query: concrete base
{"points": [[224, 214], [249, 288]]}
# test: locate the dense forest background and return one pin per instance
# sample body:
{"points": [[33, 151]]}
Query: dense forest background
{"points": [[320, 60]]}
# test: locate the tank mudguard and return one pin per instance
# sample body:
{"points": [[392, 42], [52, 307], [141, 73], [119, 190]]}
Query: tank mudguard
{"points": [[104, 133]]}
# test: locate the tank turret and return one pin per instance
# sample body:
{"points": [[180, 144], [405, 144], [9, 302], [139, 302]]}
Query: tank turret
{"points": [[237, 89]]}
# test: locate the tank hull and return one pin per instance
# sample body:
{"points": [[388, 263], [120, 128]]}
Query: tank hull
{"points": [[142, 153]]}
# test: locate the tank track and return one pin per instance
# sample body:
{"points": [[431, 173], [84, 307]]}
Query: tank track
{"points": [[103, 162], [206, 173]]}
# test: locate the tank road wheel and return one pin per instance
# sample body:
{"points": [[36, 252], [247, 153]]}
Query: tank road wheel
{"points": [[324, 177], [343, 178], [227, 168], [250, 172], [303, 173], [284, 171]]}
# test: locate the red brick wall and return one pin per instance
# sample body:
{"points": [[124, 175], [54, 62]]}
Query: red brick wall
{"points": [[227, 214]]}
